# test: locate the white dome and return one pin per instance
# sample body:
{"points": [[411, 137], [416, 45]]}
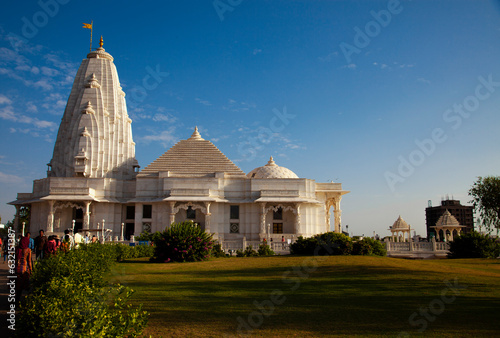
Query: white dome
{"points": [[271, 170], [400, 224]]}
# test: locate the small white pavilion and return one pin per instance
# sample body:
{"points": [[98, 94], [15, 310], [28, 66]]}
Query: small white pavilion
{"points": [[447, 227], [400, 230]]}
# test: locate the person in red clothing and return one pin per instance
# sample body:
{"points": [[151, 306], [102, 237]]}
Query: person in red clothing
{"points": [[23, 266], [51, 247]]}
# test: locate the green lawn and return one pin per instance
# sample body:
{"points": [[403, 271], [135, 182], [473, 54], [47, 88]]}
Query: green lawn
{"points": [[306, 296]]}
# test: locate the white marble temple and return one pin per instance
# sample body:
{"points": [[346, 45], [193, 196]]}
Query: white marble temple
{"points": [[93, 176]]}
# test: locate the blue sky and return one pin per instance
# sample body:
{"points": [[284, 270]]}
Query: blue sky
{"points": [[400, 111]]}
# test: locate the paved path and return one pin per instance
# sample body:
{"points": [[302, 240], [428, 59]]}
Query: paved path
{"points": [[4, 303]]}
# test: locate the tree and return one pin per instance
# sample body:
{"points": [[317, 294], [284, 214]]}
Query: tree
{"points": [[485, 194]]}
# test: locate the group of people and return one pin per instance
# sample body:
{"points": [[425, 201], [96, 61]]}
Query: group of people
{"points": [[47, 246]]}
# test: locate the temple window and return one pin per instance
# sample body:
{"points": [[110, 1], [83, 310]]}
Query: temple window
{"points": [[190, 213], [278, 214], [234, 212], [147, 211]]}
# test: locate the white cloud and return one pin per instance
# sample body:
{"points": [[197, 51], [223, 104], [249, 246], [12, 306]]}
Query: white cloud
{"points": [[7, 113], [257, 51], [166, 137], [422, 80], [44, 84], [164, 118], [49, 71], [10, 179], [328, 58], [350, 66], [203, 102], [30, 107], [4, 99]]}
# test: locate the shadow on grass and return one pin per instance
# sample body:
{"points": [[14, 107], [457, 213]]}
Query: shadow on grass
{"points": [[333, 299]]}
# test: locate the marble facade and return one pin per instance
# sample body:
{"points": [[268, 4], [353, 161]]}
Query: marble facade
{"points": [[93, 178]]}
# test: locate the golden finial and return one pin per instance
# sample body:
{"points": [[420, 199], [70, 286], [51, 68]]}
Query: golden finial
{"points": [[100, 43]]}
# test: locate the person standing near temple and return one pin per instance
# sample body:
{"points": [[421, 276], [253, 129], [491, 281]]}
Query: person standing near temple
{"points": [[40, 243], [23, 266]]}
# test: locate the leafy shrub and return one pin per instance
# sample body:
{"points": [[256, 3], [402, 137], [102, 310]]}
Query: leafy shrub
{"points": [[183, 242], [70, 297], [148, 236], [250, 252], [70, 309], [368, 246], [265, 250], [474, 245], [217, 251], [329, 243], [86, 265], [362, 247], [378, 247], [123, 251]]}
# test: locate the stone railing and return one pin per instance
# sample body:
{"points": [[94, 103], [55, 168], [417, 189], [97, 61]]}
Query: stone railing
{"points": [[189, 192], [242, 244], [71, 191], [417, 249], [328, 186], [273, 193]]}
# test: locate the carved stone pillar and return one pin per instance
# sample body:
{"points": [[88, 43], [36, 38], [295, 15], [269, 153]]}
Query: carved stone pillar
{"points": [[207, 217], [262, 232], [16, 219], [86, 215], [171, 214], [297, 229], [50, 217], [328, 205], [337, 214]]}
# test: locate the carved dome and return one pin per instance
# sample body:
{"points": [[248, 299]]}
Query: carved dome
{"points": [[400, 224], [271, 170]]}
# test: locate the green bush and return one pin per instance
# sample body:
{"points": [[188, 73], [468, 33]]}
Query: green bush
{"points": [[183, 242], [250, 252], [265, 250], [378, 247], [70, 298], [85, 265], [148, 236], [217, 251], [474, 245], [368, 247], [329, 243], [69, 309]]}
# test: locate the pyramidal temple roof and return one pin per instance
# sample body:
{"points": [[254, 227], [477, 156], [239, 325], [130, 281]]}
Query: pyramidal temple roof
{"points": [[447, 219], [194, 157]]}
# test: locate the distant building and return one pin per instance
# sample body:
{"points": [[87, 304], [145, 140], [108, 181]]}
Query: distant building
{"points": [[463, 213]]}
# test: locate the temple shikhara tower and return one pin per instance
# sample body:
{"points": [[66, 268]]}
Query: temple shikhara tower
{"points": [[93, 179]]}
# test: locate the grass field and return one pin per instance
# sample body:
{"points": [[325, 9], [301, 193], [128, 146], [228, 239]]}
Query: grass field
{"points": [[316, 296]]}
